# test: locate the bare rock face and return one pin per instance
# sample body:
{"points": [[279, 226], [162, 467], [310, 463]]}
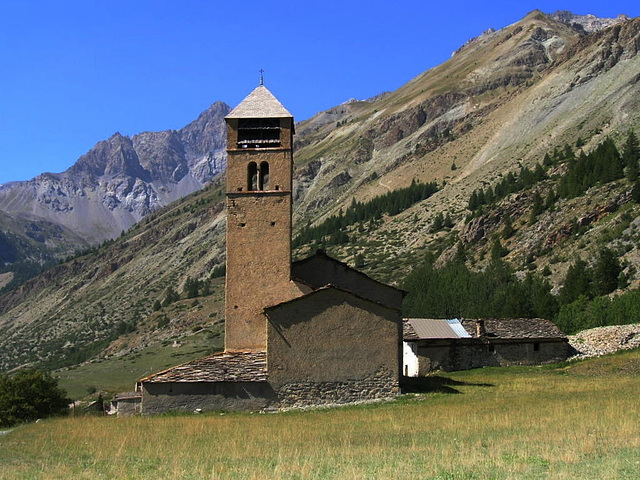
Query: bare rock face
{"points": [[588, 23], [122, 179]]}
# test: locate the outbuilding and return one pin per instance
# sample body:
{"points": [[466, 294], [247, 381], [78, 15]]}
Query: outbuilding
{"points": [[452, 344]]}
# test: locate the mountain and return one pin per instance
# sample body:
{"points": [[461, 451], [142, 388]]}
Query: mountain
{"points": [[504, 102], [122, 179]]}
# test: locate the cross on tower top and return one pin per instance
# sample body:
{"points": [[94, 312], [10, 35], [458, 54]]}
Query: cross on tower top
{"points": [[261, 76]]}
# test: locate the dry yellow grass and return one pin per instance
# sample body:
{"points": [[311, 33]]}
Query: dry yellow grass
{"points": [[517, 423]]}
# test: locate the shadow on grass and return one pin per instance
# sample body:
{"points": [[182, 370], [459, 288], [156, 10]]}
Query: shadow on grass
{"points": [[435, 384]]}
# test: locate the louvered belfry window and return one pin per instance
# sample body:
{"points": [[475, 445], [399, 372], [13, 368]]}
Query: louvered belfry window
{"points": [[258, 132]]}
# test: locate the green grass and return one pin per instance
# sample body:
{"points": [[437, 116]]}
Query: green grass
{"points": [[117, 374], [562, 422]]}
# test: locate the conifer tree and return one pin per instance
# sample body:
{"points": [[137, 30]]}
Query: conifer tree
{"points": [[171, 297], [489, 195], [631, 156], [448, 223], [191, 287], [576, 283], [497, 250], [537, 208], [481, 197], [507, 230], [473, 201], [606, 272], [550, 200], [438, 223]]}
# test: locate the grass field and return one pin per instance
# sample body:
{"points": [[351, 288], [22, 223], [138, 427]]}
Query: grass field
{"points": [[567, 422]]}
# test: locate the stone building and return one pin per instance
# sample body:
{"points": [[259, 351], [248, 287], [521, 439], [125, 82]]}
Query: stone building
{"points": [[437, 344], [309, 333], [125, 404]]}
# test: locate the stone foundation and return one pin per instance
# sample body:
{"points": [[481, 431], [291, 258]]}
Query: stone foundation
{"points": [[308, 394], [205, 396], [248, 396]]}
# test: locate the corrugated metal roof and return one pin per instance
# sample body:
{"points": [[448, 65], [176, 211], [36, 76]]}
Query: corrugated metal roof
{"points": [[435, 328], [260, 103], [457, 327]]}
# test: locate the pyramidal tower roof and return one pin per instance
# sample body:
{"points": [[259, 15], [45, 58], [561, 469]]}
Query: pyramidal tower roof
{"points": [[260, 104]]}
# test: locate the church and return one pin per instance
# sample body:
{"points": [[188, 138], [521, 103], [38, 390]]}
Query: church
{"points": [[297, 334]]}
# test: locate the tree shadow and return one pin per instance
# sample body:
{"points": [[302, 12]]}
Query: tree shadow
{"points": [[435, 384]]}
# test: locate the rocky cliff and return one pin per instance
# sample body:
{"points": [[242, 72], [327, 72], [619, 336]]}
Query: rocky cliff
{"points": [[122, 179]]}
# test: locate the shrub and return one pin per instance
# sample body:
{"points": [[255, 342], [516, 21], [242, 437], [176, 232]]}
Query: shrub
{"points": [[29, 395]]}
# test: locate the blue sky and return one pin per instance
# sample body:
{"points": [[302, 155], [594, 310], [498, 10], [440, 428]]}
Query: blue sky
{"points": [[75, 72]]}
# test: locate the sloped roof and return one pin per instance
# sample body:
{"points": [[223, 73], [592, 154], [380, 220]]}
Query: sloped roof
{"points": [[221, 367], [515, 328], [505, 328], [322, 290], [260, 103], [127, 396], [432, 328], [321, 255]]}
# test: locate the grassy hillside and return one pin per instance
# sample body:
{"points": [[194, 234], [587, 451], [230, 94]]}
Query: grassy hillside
{"points": [[503, 102], [119, 373], [565, 421]]}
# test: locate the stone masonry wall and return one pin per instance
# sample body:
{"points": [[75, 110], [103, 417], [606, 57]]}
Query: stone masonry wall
{"points": [[306, 394], [476, 353], [206, 396]]}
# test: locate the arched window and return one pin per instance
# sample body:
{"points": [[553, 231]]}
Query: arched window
{"points": [[264, 176], [252, 177]]}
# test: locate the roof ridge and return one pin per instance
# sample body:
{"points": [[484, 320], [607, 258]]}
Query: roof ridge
{"points": [[260, 103]]}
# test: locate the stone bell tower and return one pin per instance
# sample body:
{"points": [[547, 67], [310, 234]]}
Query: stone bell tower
{"points": [[259, 182]]}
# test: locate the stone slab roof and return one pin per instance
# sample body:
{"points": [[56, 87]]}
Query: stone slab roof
{"points": [[221, 367], [260, 104], [515, 328], [128, 396]]}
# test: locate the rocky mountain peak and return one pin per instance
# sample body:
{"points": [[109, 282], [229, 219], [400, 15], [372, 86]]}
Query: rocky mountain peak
{"points": [[588, 23], [123, 178]]}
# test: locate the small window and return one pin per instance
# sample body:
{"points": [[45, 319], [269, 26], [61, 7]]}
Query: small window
{"points": [[492, 348], [536, 346], [252, 177], [264, 176]]}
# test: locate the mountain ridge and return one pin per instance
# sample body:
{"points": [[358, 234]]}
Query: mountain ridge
{"points": [[501, 104], [122, 179]]}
